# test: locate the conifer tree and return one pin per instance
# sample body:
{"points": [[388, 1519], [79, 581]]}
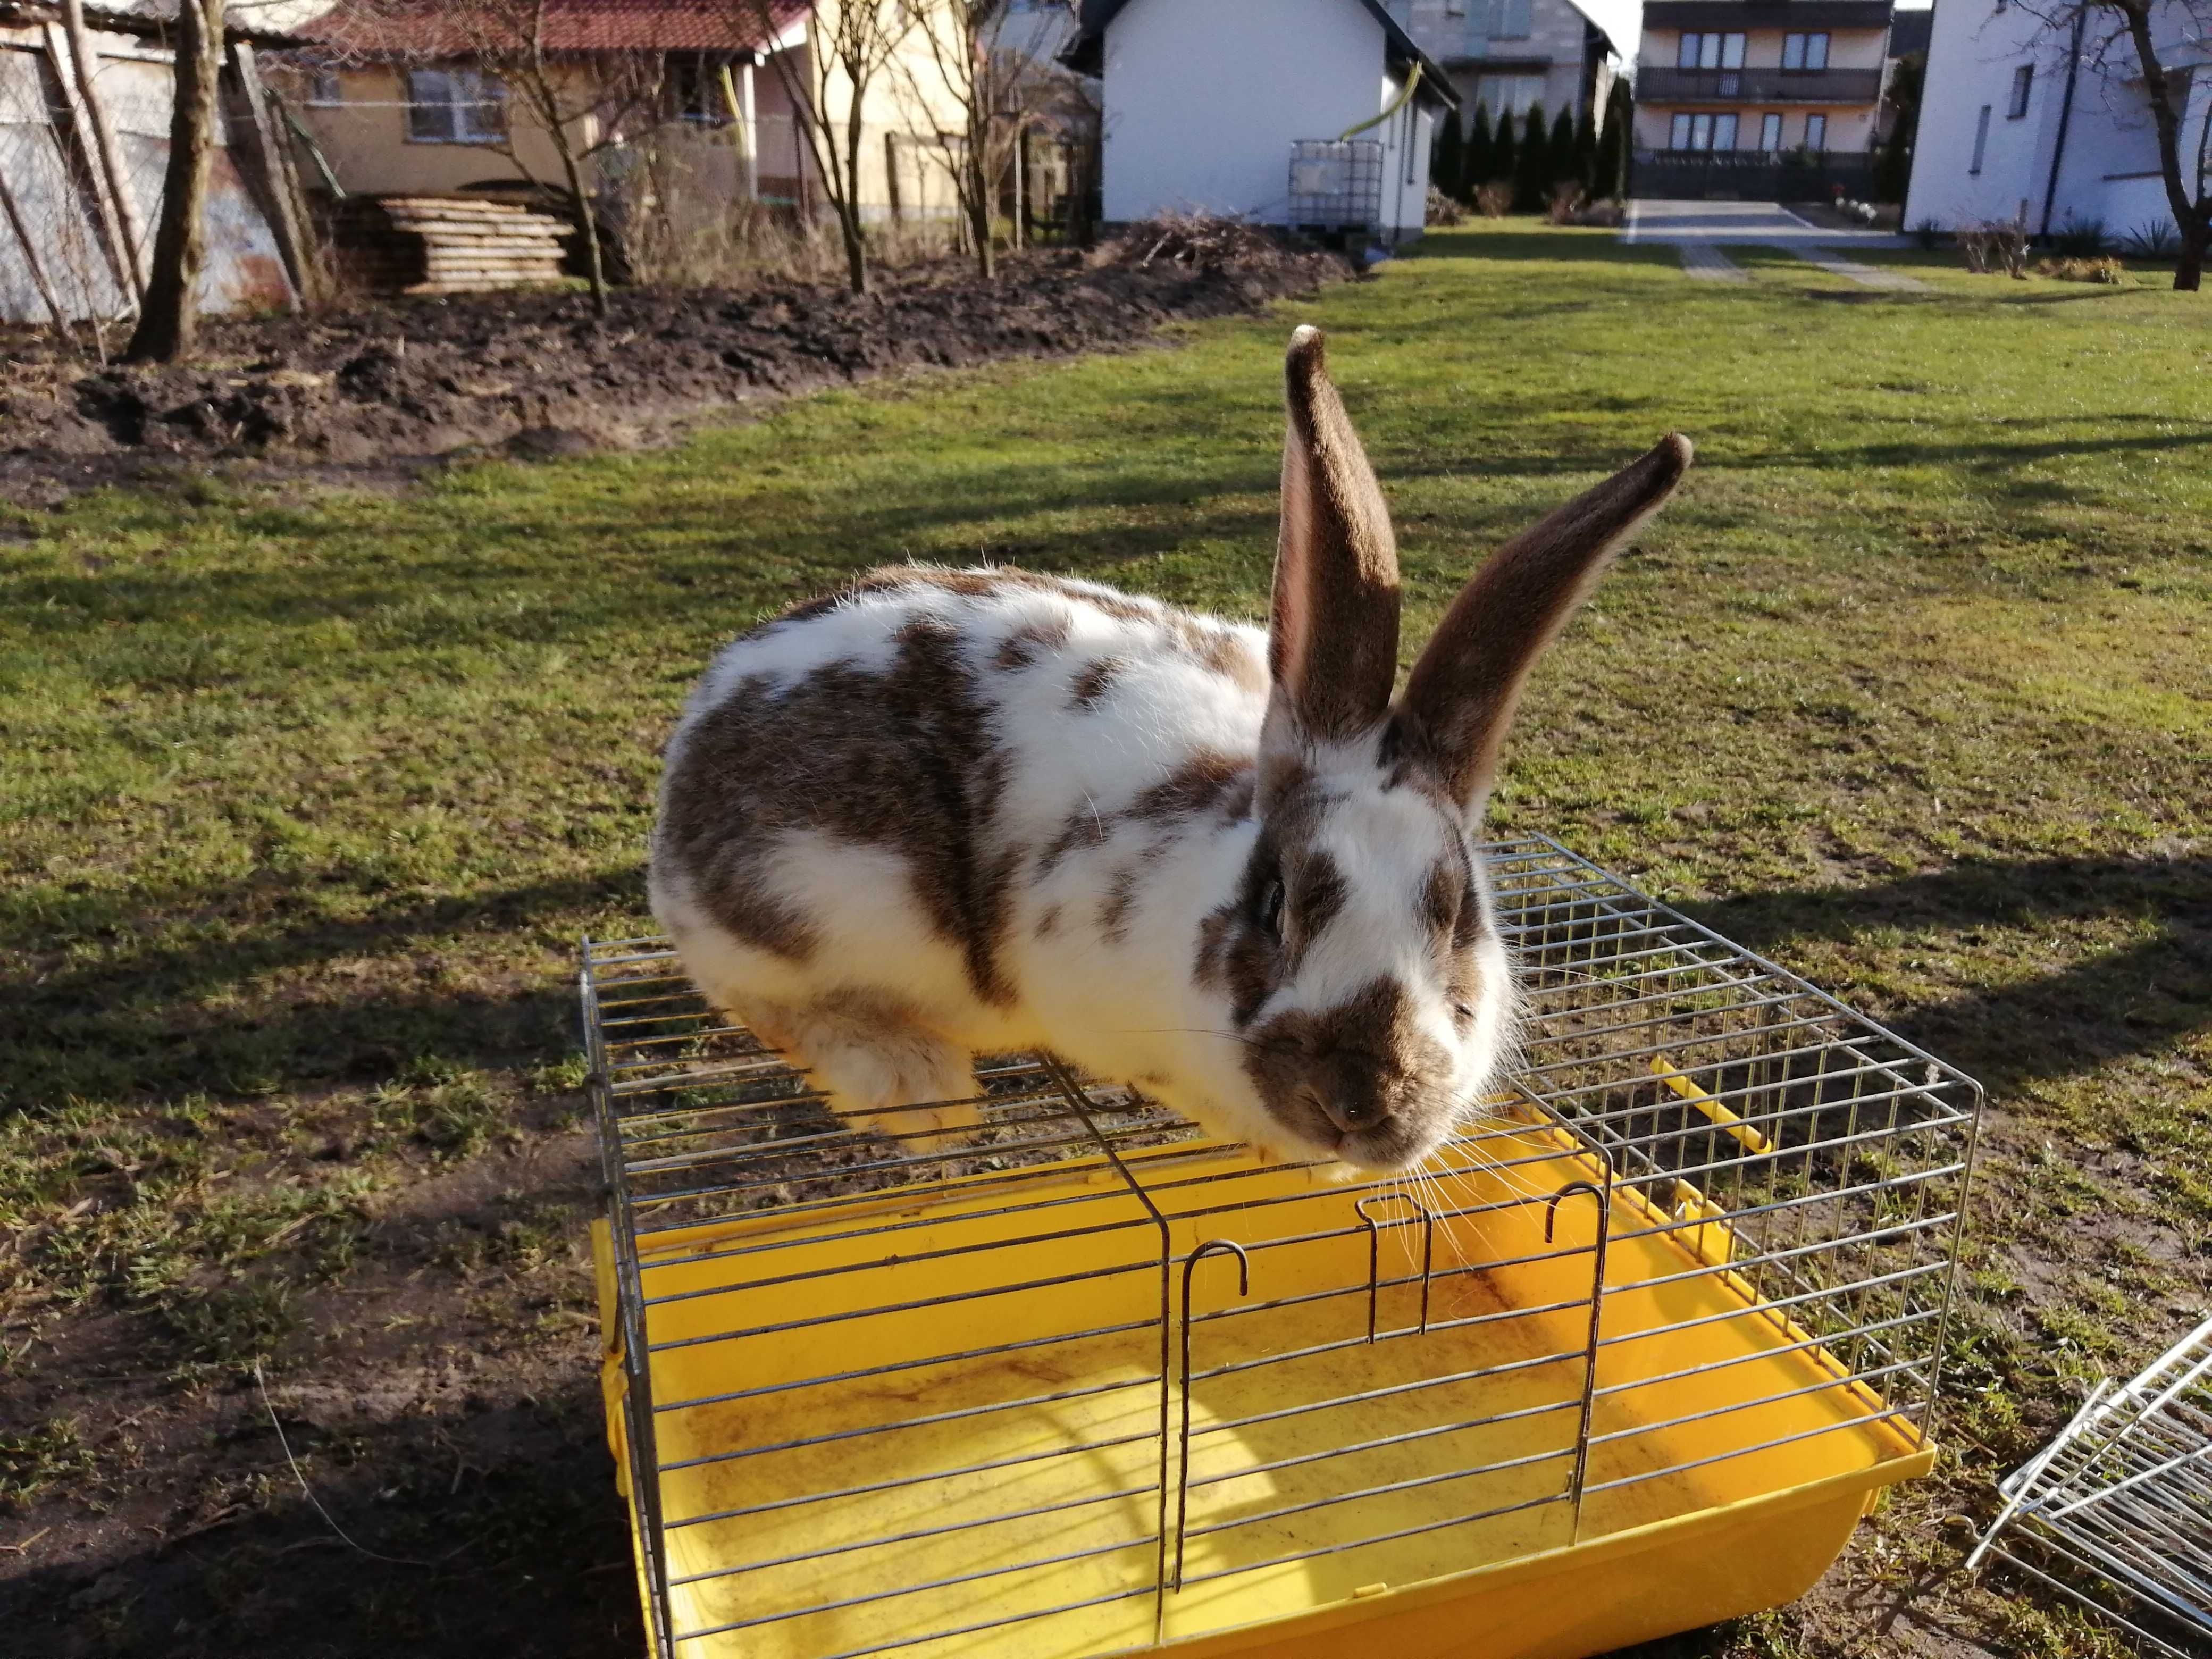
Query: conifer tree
{"points": [[1505, 153], [1586, 151], [1479, 159], [1447, 162], [1532, 170], [1562, 151]]}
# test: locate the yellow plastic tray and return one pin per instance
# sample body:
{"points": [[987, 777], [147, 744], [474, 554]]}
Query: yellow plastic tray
{"points": [[1730, 1455]]}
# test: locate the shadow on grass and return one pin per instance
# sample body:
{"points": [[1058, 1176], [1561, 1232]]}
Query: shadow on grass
{"points": [[514, 1507], [165, 1018], [2133, 1001]]}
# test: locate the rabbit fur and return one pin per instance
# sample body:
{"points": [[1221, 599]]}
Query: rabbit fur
{"points": [[950, 812]]}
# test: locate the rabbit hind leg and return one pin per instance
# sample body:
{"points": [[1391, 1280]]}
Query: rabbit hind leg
{"points": [[883, 1069]]}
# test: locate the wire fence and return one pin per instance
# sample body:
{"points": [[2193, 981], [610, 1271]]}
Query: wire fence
{"points": [[84, 151]]}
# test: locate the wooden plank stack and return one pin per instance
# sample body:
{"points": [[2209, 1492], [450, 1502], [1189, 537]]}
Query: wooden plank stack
{"points": [[446, 244]]}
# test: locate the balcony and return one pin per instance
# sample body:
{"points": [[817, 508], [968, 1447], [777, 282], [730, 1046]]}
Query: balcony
{"points": [[1758, 86], [1766, 14]]}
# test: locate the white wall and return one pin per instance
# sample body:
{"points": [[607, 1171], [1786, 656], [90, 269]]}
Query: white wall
{"points": [[1203, 101], [2108, 169]]}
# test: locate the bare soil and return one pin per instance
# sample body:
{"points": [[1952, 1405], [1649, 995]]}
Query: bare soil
{"points": [[373, 395]]}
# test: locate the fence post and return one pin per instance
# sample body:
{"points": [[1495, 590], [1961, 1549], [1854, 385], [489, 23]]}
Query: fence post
{"points": [[123, 228]]}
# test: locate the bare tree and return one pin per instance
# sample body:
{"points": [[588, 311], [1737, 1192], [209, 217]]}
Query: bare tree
{"points": [[2124, 42], [581, 103], [850, 45], [1004, 89], [168, 318]]}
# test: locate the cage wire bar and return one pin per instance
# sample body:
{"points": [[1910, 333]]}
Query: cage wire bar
{"points": [[882, 1389], [2116, 1512], [1336, 185]]}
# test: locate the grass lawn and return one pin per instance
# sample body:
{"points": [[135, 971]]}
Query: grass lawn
{"points": [[306, 799]]}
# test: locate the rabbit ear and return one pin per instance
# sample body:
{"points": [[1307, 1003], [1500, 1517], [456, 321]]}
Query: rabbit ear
{"points": [[1460, 699], [1333, 631]]}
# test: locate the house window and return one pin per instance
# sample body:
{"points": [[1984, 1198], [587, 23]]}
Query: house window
{"points": [[1769, 131], [1981, 139], [1724, 131], [695, 87], [455, 107], [1455, 8], [1816, 133], [1509, 94], [1678, 136], [1804, 52], [1508, 20], [2022, 79], [1710, 51], [325, 89]]}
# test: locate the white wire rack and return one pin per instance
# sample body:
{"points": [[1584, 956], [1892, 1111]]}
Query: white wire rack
{"points": [[2116, 1512], [1088, 1381]]}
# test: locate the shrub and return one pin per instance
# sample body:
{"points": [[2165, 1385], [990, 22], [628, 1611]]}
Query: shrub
{"points": [[1494, 200], [2154, 238], [1928, 234], [1447, 163], [1995, 243], [1566, 204], [2106, 270], [2081, 238], [1442, 210]]}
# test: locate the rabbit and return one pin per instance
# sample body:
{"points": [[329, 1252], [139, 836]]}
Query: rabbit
{"points": [[946, 812]]}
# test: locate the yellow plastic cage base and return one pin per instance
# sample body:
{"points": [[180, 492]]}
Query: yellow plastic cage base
{"points": [[1730, 1455]]}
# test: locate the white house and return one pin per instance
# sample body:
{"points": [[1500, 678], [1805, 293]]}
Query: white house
{"points": [[1515, 55], [1206, 101], [2024, 120]]}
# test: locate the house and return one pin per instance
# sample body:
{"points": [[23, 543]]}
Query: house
{"points": [[1760, 99], [413, 97], [84, 144], [1316, 113], [2044, 124], [1511, 56]]}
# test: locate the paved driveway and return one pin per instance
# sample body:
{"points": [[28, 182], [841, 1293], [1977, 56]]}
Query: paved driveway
{"points": [[1746, 223]]}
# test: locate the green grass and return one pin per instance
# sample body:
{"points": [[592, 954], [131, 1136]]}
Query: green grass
{"points": [[307, 797]]}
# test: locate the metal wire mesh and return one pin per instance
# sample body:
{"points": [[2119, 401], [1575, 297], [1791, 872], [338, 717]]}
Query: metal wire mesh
{"points": [[1090, 1380], [2116, 1512]]}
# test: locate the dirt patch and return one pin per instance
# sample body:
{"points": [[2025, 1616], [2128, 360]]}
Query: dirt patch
{"points": [[373, 395]]}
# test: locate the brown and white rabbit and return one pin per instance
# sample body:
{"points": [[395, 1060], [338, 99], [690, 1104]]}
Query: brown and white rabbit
{"points": [[945, 811]]}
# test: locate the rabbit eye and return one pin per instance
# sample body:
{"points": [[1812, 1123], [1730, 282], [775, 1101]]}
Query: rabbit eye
{"points": [[1463, 1013], [1271, 908]]}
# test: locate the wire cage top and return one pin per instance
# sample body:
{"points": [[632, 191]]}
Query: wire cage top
{"points": [[1089, 1381], [2116, 1512]]}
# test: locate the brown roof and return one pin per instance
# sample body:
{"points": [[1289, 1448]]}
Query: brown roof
{"points": [[437, 29]]}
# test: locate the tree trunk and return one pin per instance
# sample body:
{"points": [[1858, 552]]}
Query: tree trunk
{"points": [[2192, 218], [2188, 270], [979, 210], [848, 195], [594, 266], [169, 321], [856, 247]]}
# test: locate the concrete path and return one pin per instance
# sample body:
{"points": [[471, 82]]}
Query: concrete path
{"points": [[1698, 229], [1707, 264]]}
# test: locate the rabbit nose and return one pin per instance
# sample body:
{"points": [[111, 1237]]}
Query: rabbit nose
{"points": [[1346, 1090]]}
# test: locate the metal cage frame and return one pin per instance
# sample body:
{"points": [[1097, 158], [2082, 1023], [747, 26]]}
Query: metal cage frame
{"points": [[1812, 1164], [2116, 1512], [1335, 185]]}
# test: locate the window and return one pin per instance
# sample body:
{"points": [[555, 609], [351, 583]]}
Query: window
{"points": [[455, 107], [1679, 136], [1981, 139], [1710, 51], [1804, 52], [1724, 131], [2022, 79], [695, 87], [323, 88], [1770, 132], [1509, 94], [1508, 20], [1455, 8], [1816, 133]]}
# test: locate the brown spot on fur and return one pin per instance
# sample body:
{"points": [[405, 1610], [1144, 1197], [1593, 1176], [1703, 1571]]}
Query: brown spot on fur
{"points": [[1201, 784], [1319, 899], [1114, 909], [905, 758], [1091, 685], [1029, 642], [1048, 921], [1442, 893], [1086, 827]]}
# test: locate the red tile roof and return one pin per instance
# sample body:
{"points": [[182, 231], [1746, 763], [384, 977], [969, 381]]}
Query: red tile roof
{"points": [[430, 29]]}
